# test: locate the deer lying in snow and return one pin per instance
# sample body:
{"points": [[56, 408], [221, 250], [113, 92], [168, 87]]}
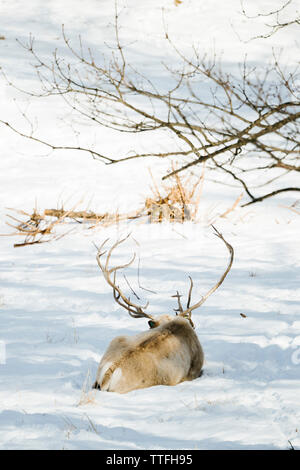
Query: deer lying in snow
{"points": [[167, 354]]}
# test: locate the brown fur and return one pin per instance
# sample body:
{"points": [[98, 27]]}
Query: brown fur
{"points": [[165, 355]]}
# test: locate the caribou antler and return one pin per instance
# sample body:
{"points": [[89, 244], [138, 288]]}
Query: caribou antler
{"points": [[137, 311], [134, 310], [187, 312]]}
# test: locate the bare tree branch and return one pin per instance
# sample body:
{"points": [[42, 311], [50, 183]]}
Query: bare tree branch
{"points": [[275, 16], [237, 122]]}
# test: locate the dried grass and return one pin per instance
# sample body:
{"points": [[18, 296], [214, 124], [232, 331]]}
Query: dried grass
{"points": [[88, 394], [35, 228], [177, 201]]}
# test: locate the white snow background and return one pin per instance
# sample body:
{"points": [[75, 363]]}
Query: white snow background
{"points": [[57, 314]]}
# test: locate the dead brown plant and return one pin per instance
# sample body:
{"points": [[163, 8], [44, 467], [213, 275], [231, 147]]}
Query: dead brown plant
{"points": [[35, 228], [178, 201], [295, 207]]}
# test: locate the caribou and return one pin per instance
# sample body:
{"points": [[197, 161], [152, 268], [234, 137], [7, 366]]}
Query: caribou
{"points": [[166, 354]]}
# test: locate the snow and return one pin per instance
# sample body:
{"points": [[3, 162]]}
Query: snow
{"points": [[57, 314]]}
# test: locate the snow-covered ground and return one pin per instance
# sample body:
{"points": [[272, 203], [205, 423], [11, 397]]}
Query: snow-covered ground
{"points": [[57, 314]]}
